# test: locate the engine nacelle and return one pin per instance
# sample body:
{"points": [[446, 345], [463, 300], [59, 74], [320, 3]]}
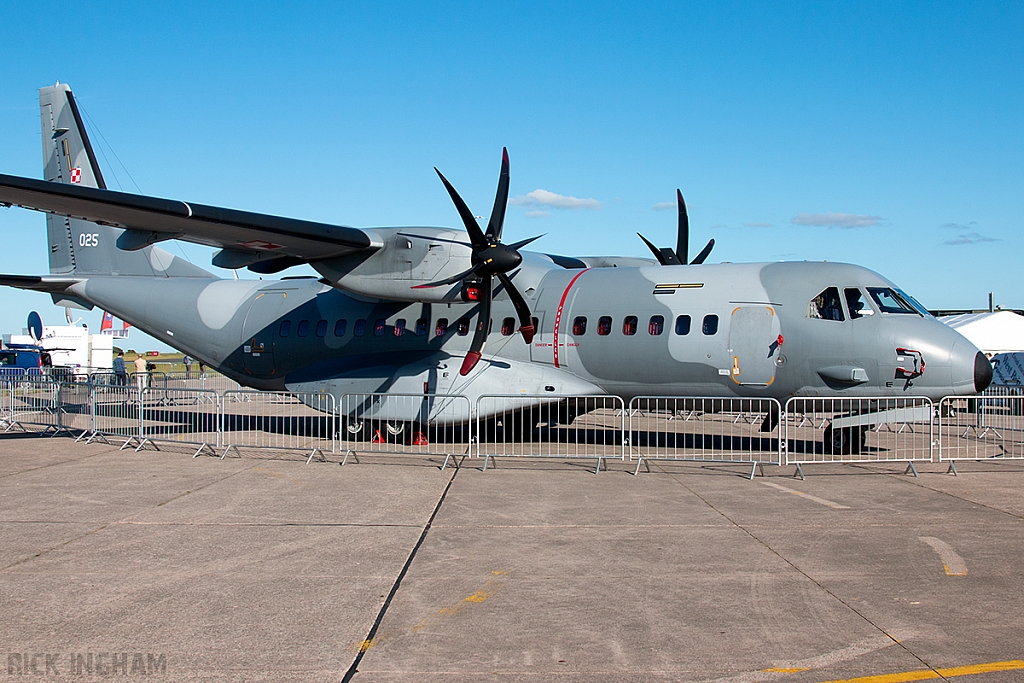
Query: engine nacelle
{"points": [[408, 257]]}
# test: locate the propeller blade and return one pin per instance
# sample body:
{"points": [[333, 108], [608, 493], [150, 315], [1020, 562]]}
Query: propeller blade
{"points": [[665, 256], [476, 235], [703, 253], [449, 281], [683, 234], [497, 221], [483, 322], [522, 243], [522, 308]]}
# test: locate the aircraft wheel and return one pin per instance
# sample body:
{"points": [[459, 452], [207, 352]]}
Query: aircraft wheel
{"points": [[844, 440]]}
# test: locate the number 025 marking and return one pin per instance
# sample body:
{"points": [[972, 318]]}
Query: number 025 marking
{"points": [[89, 239]]}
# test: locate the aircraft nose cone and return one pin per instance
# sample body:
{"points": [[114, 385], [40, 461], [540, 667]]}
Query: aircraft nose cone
{"points": [[982, 372]]}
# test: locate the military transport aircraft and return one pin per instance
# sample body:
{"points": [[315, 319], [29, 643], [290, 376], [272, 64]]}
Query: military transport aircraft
{"points": [[458, 311]]}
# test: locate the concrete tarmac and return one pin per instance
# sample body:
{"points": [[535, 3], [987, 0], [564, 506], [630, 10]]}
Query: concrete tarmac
{"points": [[158, 566]]}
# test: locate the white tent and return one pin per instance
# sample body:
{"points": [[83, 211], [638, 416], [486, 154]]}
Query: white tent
{"points": [[999, 332]]}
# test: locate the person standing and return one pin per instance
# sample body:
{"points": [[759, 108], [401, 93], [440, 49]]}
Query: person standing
{"points": [[140, 372], [188, 366], [120, 371]]}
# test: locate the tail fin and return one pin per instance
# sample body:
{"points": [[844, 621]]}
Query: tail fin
{"points": [[79, 247]]}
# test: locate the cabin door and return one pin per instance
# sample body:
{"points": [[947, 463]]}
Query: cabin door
{"points": [[261, 323], [754, 344]]}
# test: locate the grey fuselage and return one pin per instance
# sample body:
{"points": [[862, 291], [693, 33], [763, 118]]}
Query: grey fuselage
{"points": [[765, 344]]}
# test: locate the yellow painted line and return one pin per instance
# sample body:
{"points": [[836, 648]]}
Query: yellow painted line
{"points": [[951, 562], [931, 674], [822, 501]]}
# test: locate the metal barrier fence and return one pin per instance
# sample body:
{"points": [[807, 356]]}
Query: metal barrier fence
{"points": [[981, 427], [304, 422], [115, 412], [35, 402], [591, 427], [751, 431], [742, 430], [184, 416], [408, 424], [826, 430]]}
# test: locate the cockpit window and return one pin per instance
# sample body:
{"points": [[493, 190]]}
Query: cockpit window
{"points": [[889, 301], [913, 302], [856, 304], [826, 306]]}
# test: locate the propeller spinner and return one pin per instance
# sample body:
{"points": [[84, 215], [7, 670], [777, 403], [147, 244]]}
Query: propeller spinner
{"points": [[666, 256], [490, 259]]}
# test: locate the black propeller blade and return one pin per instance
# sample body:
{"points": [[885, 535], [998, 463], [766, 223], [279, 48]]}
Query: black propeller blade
{"points": [[490, 258], [666, 256]]}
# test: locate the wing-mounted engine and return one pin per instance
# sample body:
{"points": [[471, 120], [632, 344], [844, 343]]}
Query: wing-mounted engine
{"points": [[408, 257]]}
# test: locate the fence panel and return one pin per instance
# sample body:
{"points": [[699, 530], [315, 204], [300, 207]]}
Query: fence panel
{"points": [[115, 412], [542, 425], [820, 430], [742, 430], [199, 380], [6, 420], [35, 402], [980, 427], [413, 424], [304, 422], [186, 416], [76, 406]]}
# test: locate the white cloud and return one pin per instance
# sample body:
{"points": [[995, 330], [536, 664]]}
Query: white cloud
{"points": [[836, 220], [537, 214], [556, 201], [758, 224], [969, 238], [664, 206]]}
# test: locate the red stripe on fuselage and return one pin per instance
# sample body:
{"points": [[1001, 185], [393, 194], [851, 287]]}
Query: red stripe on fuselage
{"points": [[558, 314]]}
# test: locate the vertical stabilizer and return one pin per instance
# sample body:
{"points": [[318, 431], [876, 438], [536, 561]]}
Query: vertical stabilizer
{"points": [[81, 247]]}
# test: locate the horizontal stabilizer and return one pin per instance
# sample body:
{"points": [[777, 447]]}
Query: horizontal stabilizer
{"points": [[36, 283]]}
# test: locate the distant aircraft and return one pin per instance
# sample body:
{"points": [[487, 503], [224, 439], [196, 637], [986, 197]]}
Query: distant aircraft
{"points": [[457, 311]]}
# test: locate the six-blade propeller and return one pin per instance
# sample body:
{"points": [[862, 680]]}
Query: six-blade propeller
{"points": [[490, 259], [666, 256]]}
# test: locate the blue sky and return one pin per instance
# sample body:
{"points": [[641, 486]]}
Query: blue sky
{"points": [[885, 134]]}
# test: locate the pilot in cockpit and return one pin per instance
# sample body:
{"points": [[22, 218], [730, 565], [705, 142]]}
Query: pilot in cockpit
{"points": [[826, 305]]}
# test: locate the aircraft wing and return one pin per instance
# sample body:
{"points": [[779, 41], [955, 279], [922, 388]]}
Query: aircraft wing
{"points": [[246, 238]]}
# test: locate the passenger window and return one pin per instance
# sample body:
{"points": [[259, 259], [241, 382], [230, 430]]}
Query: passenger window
{"points": [[463, 328], [710, 325], [286, 328], [826, 305], [683, 325], [303, 329], [508, 326], [339, 328], [321, 328], [856, 304], [442, 327], [629, 325], [379, 326], [604, 325], [360, 328], [421, 327], [579, 326], [400, 327], [656, 326]]}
